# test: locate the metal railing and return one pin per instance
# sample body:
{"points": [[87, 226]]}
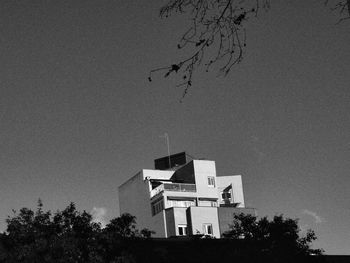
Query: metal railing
{"points": [[174, 188], [157, 190]]}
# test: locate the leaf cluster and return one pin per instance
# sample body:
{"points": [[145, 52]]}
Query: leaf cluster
{"points": [[66, 236], [279, 237]]}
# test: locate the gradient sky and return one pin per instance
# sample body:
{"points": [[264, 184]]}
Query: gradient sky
{"points": [[78, 116]]}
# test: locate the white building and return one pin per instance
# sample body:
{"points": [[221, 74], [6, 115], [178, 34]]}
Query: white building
{"points": [[183, 198]]}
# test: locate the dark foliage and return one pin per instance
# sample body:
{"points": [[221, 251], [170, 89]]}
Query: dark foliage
{"points": [[192, 250], [72, 236], [66, 236], [278, 237]]}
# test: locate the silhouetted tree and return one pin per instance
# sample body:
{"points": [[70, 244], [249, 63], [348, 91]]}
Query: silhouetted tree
{"points": [[66, 236], [117, 232], [123, 226], [71, 236], [278, 237]]}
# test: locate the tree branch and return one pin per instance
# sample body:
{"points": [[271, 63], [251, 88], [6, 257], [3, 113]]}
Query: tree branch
{"points": [[217, 35]]}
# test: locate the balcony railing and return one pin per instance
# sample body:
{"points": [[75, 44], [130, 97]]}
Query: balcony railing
{"points": [[174, 188]]}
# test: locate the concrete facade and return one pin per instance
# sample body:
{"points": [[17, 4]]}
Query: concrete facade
{"points": [[186, 199]]}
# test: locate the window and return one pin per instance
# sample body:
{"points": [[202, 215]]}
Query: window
{"points": [[211, 181], [157, 207], [207, 202], [208, 229], [225, 195], [182, 230], [180, 203]]}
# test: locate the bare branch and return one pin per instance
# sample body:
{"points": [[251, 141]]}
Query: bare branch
{"points": [[217, 34], [342, 7]]}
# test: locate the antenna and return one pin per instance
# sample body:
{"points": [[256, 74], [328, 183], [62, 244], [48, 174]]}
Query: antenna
{"points": [[166, 136]]}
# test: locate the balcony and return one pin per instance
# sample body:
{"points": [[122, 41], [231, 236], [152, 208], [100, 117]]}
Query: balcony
{"points": [[173, 188]]}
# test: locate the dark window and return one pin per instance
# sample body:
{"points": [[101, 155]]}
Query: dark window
{"points": [[182, 230], [208, 229], [211, 181], [157, 207], [226, 195]]}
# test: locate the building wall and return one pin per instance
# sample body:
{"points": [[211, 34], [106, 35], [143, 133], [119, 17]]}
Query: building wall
{"points": [[134, 198], [237, 187], [170, 222], [207, 203], [180, 217], [156, 174], [158, 224], [183, 195], [175, 216], [203, 169], [203, 215]]}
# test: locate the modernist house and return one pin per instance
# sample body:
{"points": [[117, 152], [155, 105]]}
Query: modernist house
{"points": [[181, 197]]}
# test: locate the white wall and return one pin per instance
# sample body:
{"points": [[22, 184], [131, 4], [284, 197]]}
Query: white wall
{"points": [[134, 198], [174, 194], [170, 222], [156, 174], [237, 187], [203, 169], [180, 217], [157, 224], [204, 215]]}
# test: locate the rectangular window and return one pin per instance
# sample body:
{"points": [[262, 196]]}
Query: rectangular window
{"points": [[182, 230], [225, 195], [211, 203], [211, 181], [208, 229], [157, 207], [180, 203]]}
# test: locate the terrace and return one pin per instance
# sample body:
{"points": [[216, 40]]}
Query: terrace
{"points": [[173, 187]]}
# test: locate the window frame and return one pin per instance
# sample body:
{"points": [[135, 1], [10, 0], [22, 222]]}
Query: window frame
{"points": [[157, 206], [183, 228], [206, 227], [211, 181], [181, 203], [228, 195]]}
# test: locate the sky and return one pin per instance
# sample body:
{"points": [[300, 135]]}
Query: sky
{"points": [[78, 116]]}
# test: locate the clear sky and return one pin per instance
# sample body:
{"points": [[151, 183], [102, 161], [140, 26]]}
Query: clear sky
{"points": [[78, 116]]}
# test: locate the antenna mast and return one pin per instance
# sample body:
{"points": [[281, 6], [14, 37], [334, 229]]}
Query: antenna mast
{"points": [[166, 136]]}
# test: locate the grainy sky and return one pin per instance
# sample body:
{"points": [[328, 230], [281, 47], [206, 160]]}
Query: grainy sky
{"points": [[78, 116]]}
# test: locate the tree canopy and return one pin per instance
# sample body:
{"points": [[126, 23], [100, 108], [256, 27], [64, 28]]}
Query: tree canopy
{"points": [[66, 236], [72, 236], [279, 237]]}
